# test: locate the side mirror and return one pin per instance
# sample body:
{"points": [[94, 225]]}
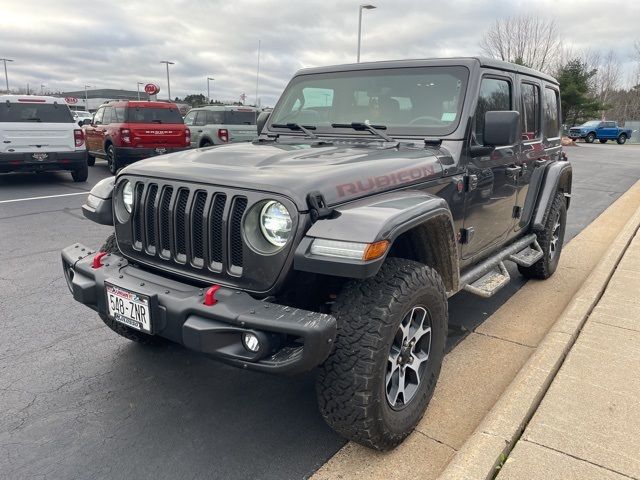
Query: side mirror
{"points": [[262, 120], [86, 121], [500, 128]]}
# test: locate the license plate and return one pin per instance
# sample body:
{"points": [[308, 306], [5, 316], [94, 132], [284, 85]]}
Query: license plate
{"points": [[40, 156], [161, 150], [129, 308]]}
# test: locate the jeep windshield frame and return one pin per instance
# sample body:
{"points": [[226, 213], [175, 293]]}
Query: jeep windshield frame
{"points": [[422, 101]]}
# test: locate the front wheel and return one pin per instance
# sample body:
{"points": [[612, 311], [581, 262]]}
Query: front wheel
{"points": [[590, 138], [622, 139], [112, 160], [376, 384]]}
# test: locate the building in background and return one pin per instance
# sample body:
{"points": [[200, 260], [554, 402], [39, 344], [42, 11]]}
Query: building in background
{"points": [[97, 96]]}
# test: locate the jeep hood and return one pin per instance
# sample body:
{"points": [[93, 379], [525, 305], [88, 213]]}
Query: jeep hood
{"points": [[341, 172]]}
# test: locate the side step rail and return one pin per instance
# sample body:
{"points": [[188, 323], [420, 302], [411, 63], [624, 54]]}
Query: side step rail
{"points": [[489, 276]]}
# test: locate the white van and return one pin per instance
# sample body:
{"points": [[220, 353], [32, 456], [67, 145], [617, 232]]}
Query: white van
{"points": [[38, 134]]}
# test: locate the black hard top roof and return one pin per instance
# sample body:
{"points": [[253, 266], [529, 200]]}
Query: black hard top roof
{"points": [[430, 62]]}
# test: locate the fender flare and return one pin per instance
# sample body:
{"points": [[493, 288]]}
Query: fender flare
{"points": [[558, 177], [203, 138], [383, 217]]}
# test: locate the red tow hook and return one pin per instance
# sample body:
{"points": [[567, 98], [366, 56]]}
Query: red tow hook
{"points": [[210, 295], [97, 260]]}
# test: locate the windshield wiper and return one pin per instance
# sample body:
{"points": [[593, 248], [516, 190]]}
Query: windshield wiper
{"points": [[297, 128], [365, 127]]}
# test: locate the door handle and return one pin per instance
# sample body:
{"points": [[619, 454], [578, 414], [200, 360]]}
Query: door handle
{"points": [[199, 131]]}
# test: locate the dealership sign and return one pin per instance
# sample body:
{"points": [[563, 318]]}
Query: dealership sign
{"points": [[71, 100], [151, 89]]}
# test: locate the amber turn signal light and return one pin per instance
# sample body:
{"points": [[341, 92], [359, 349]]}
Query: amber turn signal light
{"points": [[375, 250]]}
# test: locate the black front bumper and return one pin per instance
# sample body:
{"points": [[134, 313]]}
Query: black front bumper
{"points": [[294, 340], [133, 154], [41, 161]]}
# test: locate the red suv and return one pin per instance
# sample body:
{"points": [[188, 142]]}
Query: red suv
{"points": [[126, 131]]}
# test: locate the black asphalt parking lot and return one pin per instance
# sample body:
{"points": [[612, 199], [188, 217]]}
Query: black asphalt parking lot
{"points": [[77, 401]]}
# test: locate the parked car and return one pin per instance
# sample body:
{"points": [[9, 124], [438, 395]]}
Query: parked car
{"points": [[81, 115], [374, 192], [126, 131], [38, 134], [603, 131], [215, 125]]}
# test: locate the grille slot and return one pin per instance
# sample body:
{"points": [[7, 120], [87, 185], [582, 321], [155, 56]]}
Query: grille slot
{"points": [[215, 241], [165, 222], [137, 216], [180, 226], [150, 217], [236, 244], [197, 228]]}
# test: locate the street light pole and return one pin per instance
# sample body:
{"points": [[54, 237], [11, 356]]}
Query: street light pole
{"points": [[362, 7], [258, 73], [138, 87], [86, 97], [6, 76], [208, 92], [168, 83]]}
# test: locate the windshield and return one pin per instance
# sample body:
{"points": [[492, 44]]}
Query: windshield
{"points": [[408, 101], [35, 112], [592, 123], [153, 115]]}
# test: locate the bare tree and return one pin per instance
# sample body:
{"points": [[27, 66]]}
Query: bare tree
{"points": [[526, 39]]}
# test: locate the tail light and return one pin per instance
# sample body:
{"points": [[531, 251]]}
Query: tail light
{"points": [[187, 137], [78, 136], [223, 134], [125, 135]]}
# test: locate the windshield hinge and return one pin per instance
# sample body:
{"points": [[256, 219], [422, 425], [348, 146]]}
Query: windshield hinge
{"points": [[318, 207], [432, 142]]}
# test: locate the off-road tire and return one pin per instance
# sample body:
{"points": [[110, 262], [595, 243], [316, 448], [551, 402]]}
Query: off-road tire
{"points": [[603, 140], [91, 160], [546, 266], [110, 246], [112, 160], [590, 138], [622, 139], [351, 384], [81, 173]]}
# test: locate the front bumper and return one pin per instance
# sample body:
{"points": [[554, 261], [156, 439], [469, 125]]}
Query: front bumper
{"points": [[576, 135], [27, 162], [294, 340], [132, 154]]}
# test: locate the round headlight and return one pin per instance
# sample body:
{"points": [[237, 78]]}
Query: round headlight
{"points": [[275, 223], [127, 195]]}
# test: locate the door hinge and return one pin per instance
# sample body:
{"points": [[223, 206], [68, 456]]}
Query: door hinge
{"points": [[465, 235], [471, 182], [517, 211]]}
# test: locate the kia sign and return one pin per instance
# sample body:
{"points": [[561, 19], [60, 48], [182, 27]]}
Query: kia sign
{"points": [[71, 100], [151, 89]]}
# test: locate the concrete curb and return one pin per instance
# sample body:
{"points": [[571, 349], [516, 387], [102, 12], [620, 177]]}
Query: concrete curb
{"points": [[503, 425]]}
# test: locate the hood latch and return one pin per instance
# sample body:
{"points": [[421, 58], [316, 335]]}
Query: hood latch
{"points": [[318, 207]]}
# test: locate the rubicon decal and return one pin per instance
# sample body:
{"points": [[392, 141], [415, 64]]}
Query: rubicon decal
{"points": [[400, 177]]}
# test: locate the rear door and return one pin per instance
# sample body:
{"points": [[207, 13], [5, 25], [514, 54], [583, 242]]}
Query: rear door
{"points": [[91, 133], [189, 120], [156, 127], [32, 125], [241, 124]]}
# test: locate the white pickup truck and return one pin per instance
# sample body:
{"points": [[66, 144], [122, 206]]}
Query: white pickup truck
{"points": [[38, 134]]}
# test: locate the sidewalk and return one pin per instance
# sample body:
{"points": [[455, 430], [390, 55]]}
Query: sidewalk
{"points": [[588, 423]]}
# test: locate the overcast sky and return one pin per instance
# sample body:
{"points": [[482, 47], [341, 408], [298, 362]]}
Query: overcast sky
{"points": [[114, 44]]}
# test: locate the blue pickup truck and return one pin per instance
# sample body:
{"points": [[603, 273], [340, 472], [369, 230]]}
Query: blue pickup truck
{"points": [[603, 131]]}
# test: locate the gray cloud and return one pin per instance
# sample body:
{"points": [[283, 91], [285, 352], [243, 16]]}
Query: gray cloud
{"points": [[65, 44]]}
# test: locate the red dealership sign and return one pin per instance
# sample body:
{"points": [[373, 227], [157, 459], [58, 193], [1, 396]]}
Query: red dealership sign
{"points": [[71, 100], [151, 89]]}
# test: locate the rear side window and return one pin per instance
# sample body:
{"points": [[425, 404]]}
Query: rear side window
{"points": [[118, 115], [551, 114], [153, 115], [35, 113], [530, 111], [495, 94], [215, 118], [240, 118]]}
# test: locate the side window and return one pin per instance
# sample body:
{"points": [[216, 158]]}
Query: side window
{"points": [[215, 118], [551, 114], [107, 117], [201, 118], [495, 94], [610, 125], [188, 120], [97, 118], [118, 115], [530, 111]]}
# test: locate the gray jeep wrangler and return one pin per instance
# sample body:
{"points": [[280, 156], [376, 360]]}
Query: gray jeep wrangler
{"points": [[374, 192]]}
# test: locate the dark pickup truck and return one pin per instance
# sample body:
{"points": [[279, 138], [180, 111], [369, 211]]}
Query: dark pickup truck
{"points": [[374, 192], [600, 130]]}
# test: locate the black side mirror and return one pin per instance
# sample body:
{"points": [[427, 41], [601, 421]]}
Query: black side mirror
{"points": [[500, 128], [86, 121], [262, 120], [81, 123]]}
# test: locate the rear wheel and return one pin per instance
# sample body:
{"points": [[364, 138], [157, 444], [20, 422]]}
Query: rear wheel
{"points": [[590, 138], [112, 160], [81, 173], [377, 382], [91, 160], [622, 139], [110, 246], [550, 240]]}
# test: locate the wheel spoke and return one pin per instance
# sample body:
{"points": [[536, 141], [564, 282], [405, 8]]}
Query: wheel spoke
{"points": [[401, 386]]}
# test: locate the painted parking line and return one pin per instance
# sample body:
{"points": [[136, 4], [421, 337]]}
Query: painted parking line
{"points": [[45, 197]]}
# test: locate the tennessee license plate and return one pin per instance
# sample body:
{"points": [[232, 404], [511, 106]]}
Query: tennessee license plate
{"points": [[129, 308]]}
